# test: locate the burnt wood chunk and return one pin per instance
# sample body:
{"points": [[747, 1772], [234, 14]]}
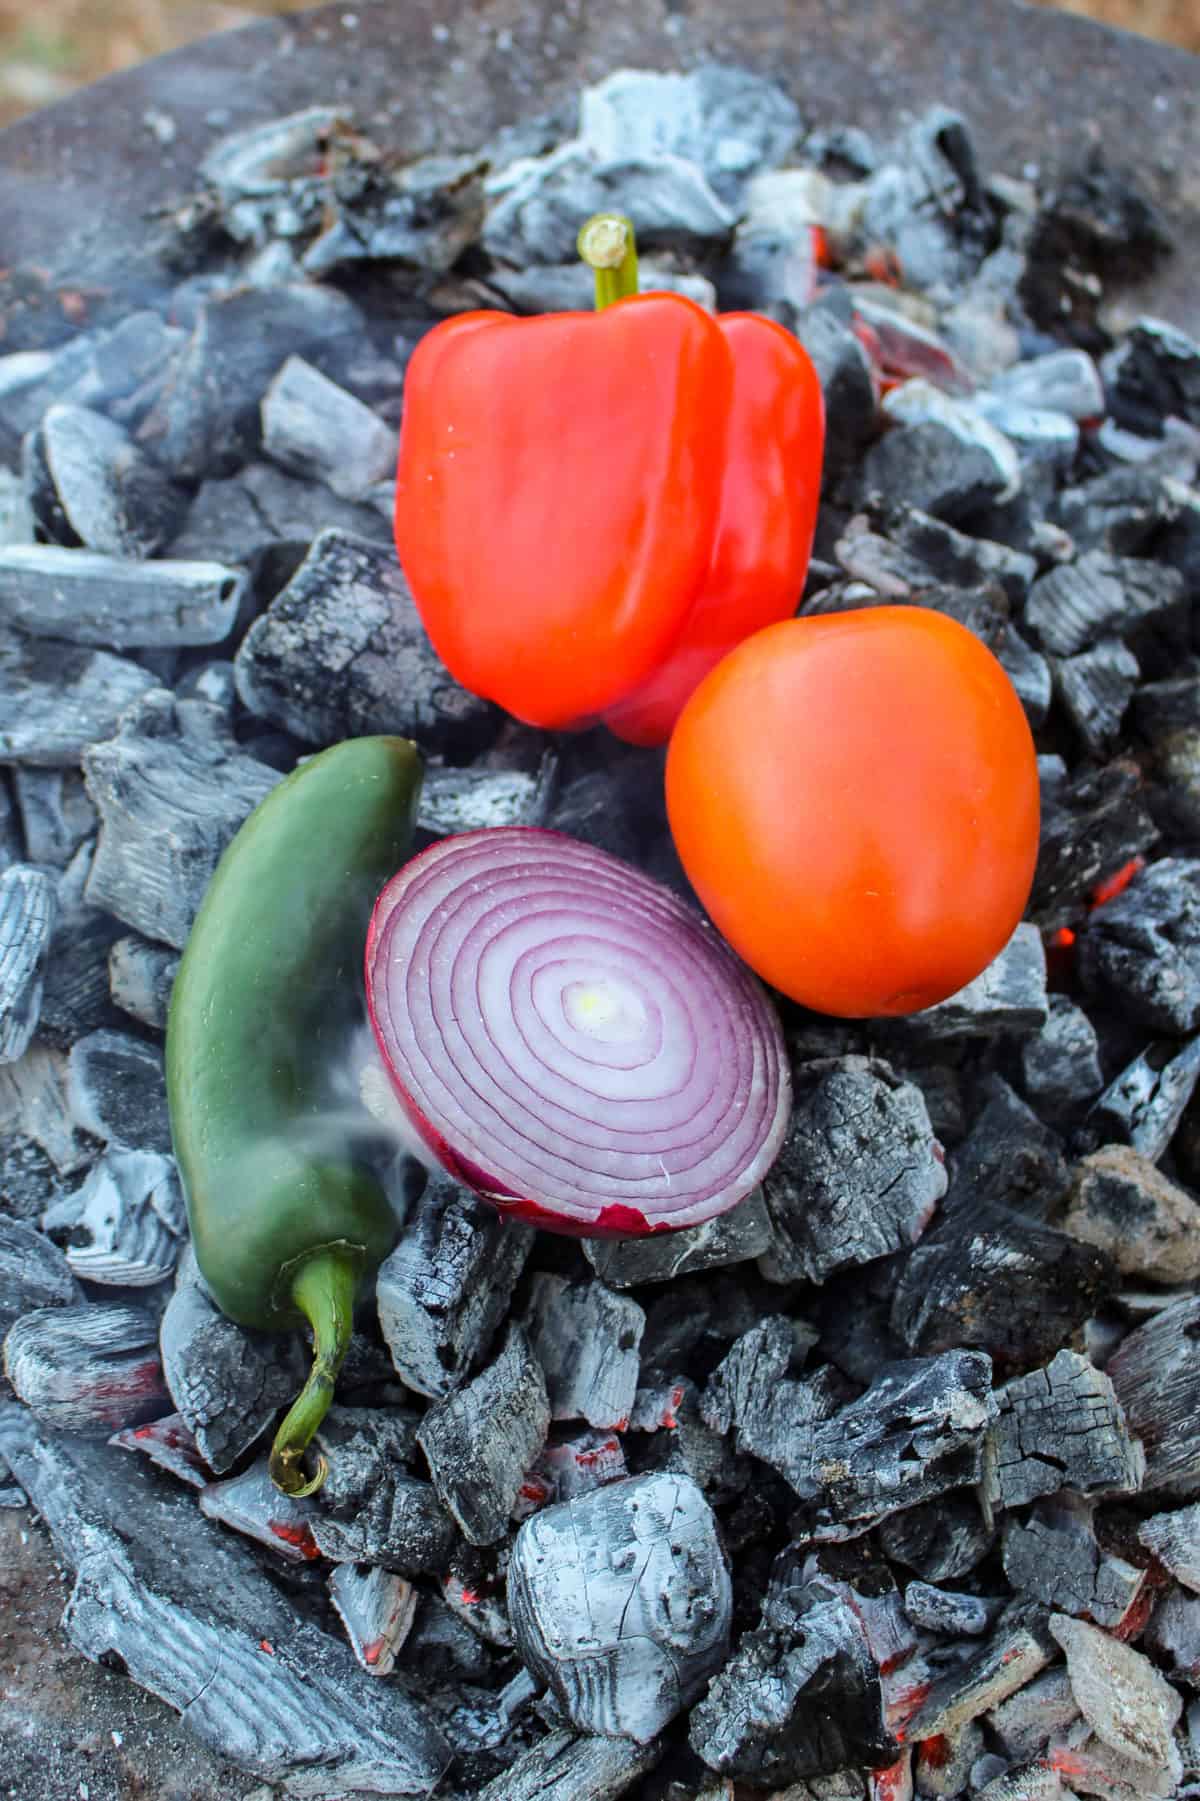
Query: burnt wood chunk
{"points": [[261, 510], [370, 1509], [1062, 1427], [734, 1237], [1095, 687], [943, 1611], [1147, 1224], [1155, 1373], [1154, 371], [859, 1174], [126, 1224], [172, 788], [1060, 1064], [80, 597], [1018, 1649], [480, 1441], [1142, 1107], [315, 428], [1045, 1707], [1122, 1696], [76, 998], [930, 467], [87, 1369], [28, 904], [117, 1090], [251, 1504], [1079, 603], [1008, 996], [377, 1609], [567, 1766], [341, 651], [466, 800], [33, 1274], [586, 1340], [88, 483], [168, 1445], [1173, 1636], [55, 701], [56, 814], [942, 1539], [1174, 1538], [1091, 826], [141, 976], [1141, 950], [1052, 1556]]}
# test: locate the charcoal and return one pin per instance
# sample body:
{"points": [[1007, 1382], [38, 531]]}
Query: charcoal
{"points": [[172, 789], [565, 1766], [141, 976], [466, 800], [341, 652], [846, 382], [420, 216], [16, 520], [859, 1174], [919, 401], [376, 1607], [890, 571], [1144, 1104], [34, 1274], [314, 428], [1168, 714], [1121, 511], [903, 349], [35, 1110], [56, 814], [1067, 381], [188, 1611], [251, 1504], [87, 1369], [1018, 1649], [55, 701], [1097, 1768], [1099, 596], [475, 1590], [1046, 442], [370, 1511], [685, 1444], [1095, 688], [1173, 1636], [574, 1466], [126, 1224], [930, 467], [1149, 1225], [801, 1694], [75, 998], [1091, 826], [625, 1658], [228, 1383], [609, 808], [586, 1340], [1064, 1426], [1060, 1064], [943, 1764], [447, 1285], [362, 1448], [1174, 1538], [954, 557], [1141, 951], [276, 166], [1152, 373], [1120, 1693], [169, 1446], [1095, 226], [942, 1540], [1155, 1373], [81, 597], [1023, 1724], [743, 1391], [118, 1092], [1053, 1557], [480, 1440], [1034, 1783], [28, 904], [1009, 996], [734, 1237], [941, 1610], [100, 491], [244, 517]]}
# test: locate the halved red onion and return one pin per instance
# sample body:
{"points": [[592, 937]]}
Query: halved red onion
{"points": [[570, 1039]]}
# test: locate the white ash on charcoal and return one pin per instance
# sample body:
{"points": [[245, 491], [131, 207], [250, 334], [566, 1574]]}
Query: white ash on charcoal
{"points": [[34, 1274], [480, 1440], [377, 1609], [569, 1766], [572, 1466], [371, 1509], [1007, 998], [341, 652], [117, 1091], [1143, 1105], [1060, 1064], [76, 998], [859, 1175], [931, 467], [1053, 1556], [475, 1590], [1019, 1648], [1174, 1539], [942, 1540], [251, 1504], [948, 1612], [126, 1225], [1062, 1427], [1167, 715], [845, 375], [84, 1368], [1099, 596], [314, 428], [1092, 825], [83, 597], [168, 1445], [1149, 1225], [919, 401], [620, 1600], [56, 700], [586, 1340], [943, 1765], [447, 1286], [1095, 688], [87, 483], [1033, 1783], [1023, 1725], [1155, 1373], [16, 520], [1066, 381], [193, 1619], [738, 1236], [28, 904], [247, 517], [466, 800], [1141, 950], [1172, 1636], [227, 1382], [1124, 1699], [172, 788], [39, 1128], [1154, 373], [680, 1440], [56, 814], [141, 975]]}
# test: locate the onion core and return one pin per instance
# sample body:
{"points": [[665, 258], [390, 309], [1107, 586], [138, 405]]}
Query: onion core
{"points": [[570, 1039]]}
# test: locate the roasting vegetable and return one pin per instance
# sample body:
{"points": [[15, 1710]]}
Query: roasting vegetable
{"points": [[284, 1219]]}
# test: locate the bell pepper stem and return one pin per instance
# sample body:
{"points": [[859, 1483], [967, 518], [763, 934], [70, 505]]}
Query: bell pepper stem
{"points": [[323, 1290], [606, 244]]}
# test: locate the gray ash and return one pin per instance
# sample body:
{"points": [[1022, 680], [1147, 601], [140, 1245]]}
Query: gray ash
{"points": [[919, 1417]]}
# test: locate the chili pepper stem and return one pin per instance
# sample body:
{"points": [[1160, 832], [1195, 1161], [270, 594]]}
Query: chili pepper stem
{"points": [[323, 1290], [607, 245]]}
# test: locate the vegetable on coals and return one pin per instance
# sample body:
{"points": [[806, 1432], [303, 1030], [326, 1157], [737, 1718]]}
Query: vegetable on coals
{"points": [[855, 800], [283, 1220], [592, 509], [569, 1038]]}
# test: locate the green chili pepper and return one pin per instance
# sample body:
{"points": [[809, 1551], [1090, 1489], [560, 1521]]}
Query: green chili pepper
{"points": [[284, 1217]]}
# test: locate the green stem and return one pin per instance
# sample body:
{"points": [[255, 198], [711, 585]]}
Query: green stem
{"points": [[323, 1290], [606, 244]]}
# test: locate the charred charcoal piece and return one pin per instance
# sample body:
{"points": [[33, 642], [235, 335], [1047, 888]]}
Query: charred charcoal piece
{"points": [[943, 1764], [859, 1175], [586, 1339], [251, 514], [1149, 1225], [228, 1383], [1062, 1427], [1144, 1104], [465, 800], [85, 1368], [187, 1611], [1155, 1373], [846, 382], [55, 702], [734, 1237], [370, 1511], [1098, 596], [1008, 996], [172, 789], [1120, 1693], [1018, 1649], [1091, 827], [942, 1540], [943, 1611], [1168, 715], [56, 814], [76, 998], [1095, 688], [251, 1504], [1008, 1158], [1036, 1782], [376, 1607], [930, 467], [99, 490], [35, 1113], [620, 1601], [1153, 373], [1053, 1557], [565, 1766], [574, 1466], [919, 401], [316, 429], [687, 1445], [1044, 1707], [1141, 950], [1067, 381], [1097, 1768], [16, 520], [480, 1441], [1060, 1065], [421, 216], [1173, 1635], [126, 1224], [169, 1446], [141, 976], [342, 652], [1096, 223], [447, 1285], [474, 1590], [890, 571], [118, 1092], [34, 1274], [1174, 1538], [957, 558], [362, 1447], [81, 597], [27, 909], [743, 1391], [1121, 512]]}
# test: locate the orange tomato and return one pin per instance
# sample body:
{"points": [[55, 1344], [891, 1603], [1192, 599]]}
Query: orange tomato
{"points": [[854, 798]]}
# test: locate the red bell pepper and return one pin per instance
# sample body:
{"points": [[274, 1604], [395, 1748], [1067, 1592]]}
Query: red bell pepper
{"points": [[591, 509]]}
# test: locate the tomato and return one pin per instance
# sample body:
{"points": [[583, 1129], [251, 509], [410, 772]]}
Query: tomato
{"points": [[854, 798]]}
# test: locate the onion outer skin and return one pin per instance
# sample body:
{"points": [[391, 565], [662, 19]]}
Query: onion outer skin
{"points": [[495, 937]]}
